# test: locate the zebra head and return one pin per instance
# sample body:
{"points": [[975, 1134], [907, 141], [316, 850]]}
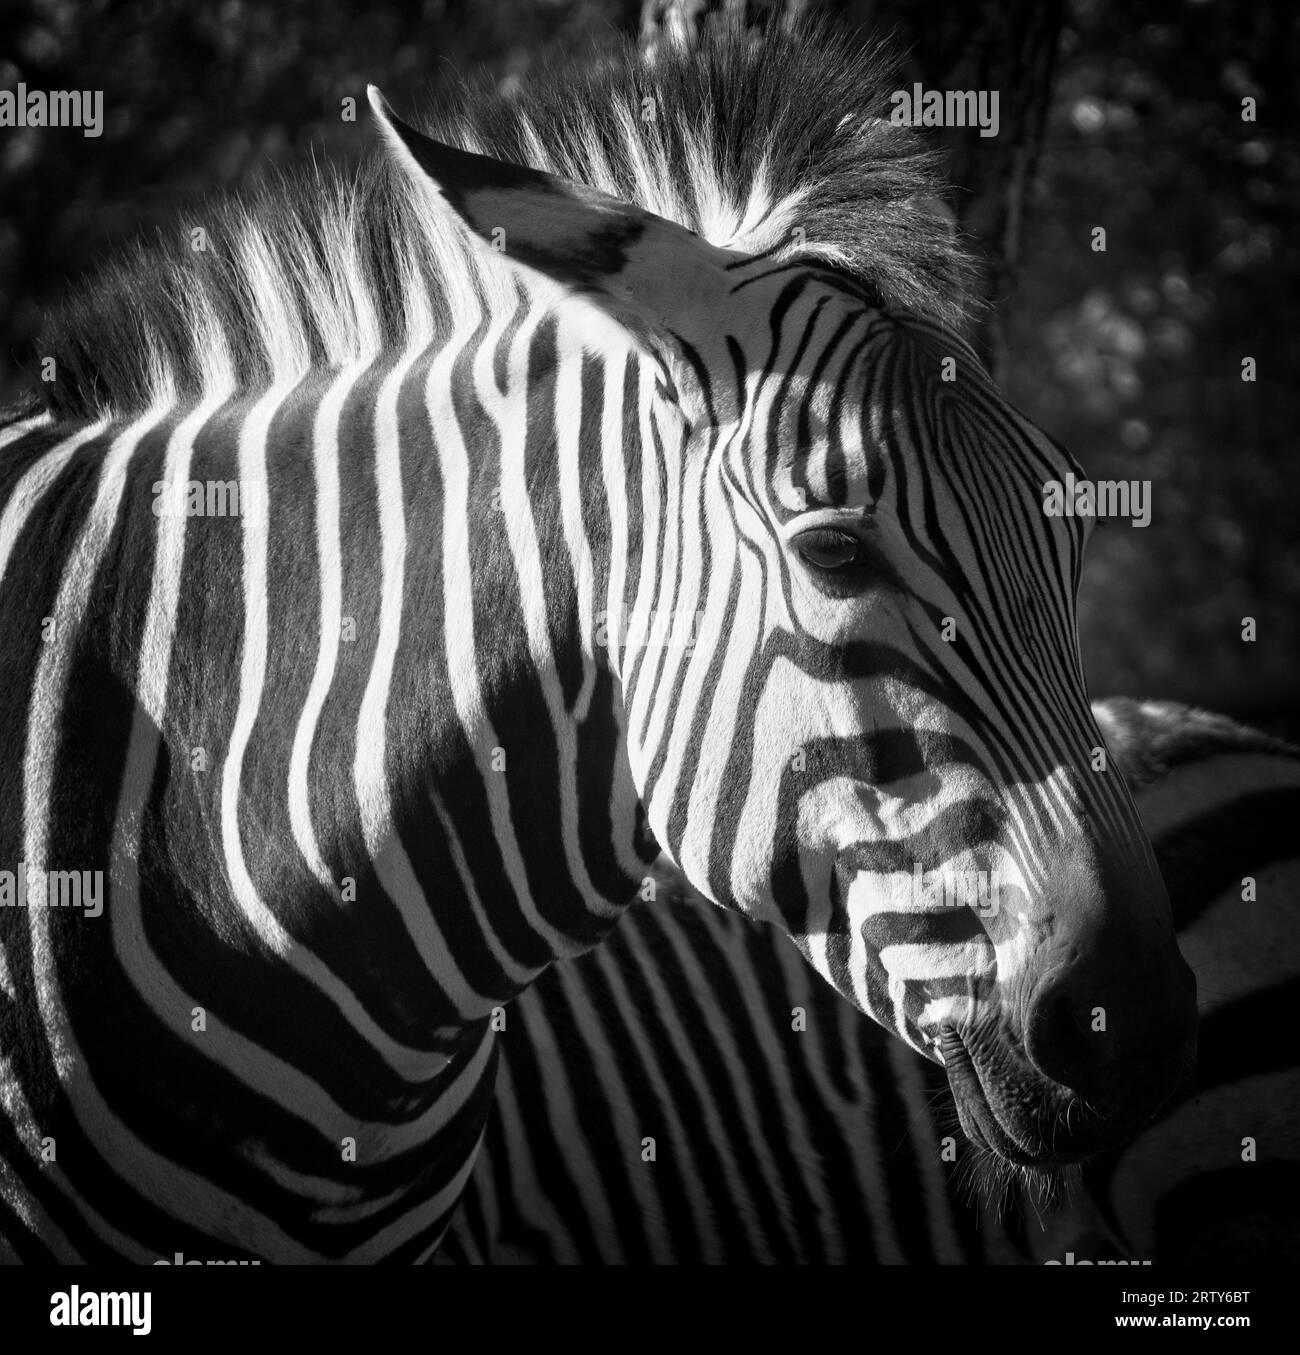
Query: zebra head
{"points": [[842, 630]]}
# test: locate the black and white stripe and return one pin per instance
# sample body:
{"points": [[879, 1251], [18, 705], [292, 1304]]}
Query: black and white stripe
{"points": [[1221, 802], [785, 1127]]}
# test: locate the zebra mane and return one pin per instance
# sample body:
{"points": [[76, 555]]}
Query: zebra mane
{"points": [[776, 142], [1150, 739]]}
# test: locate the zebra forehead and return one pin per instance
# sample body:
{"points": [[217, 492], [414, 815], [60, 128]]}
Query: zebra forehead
{"points": [[325, 268]]}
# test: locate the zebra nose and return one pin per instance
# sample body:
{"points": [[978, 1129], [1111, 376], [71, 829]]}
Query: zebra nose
{"points": [[1122, 1042]]}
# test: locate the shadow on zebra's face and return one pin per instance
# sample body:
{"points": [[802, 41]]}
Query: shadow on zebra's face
{"points": [[849, 669], [948, 842], [898, 764]]}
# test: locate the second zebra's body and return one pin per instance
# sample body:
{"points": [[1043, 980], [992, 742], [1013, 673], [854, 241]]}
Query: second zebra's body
{"points": [[787, 1129], [1216, 1177], [689, 1093]]}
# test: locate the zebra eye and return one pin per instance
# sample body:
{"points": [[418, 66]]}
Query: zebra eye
{"points": [[825, 548]]}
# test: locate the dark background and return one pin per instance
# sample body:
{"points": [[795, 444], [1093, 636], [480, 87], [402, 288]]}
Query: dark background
{"points": [[1117, 113]]}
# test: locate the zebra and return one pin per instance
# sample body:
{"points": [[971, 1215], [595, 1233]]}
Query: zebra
{"points": [[612, 480], [1214, 1177], [789, 1129]]}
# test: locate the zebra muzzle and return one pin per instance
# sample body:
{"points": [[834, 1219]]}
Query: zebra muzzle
{"points": [[1026, 1102]]}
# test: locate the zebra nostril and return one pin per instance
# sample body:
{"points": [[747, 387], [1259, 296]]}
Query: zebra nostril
{"points": [[1059, 1039], [1120, 1035]]}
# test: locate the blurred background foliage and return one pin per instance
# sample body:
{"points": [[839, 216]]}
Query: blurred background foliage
{"points": [[1123, 114]]}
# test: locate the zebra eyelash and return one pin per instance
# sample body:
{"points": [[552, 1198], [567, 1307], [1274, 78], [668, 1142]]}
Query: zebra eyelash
{"points": [[840, 550]]}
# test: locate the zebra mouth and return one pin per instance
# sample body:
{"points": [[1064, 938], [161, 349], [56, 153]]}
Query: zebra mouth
{"points": [[978, 1113]]}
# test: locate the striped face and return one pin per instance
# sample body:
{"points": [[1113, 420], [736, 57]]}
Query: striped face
{"points": [[879, 738], [844, 633]]}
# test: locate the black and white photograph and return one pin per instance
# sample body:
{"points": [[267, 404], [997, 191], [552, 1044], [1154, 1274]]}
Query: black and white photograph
{"points": [[650, 633]]}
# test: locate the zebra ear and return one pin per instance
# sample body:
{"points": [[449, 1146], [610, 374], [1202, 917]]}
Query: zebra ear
{"points": [[630, 261]]}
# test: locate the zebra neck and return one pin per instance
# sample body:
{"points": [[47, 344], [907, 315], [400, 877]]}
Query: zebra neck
{"points": [[458, 789], [343, 716]]}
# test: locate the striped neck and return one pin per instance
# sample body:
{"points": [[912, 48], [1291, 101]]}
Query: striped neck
{"points": [[455, 749], [388, 702], [354, 776]]}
